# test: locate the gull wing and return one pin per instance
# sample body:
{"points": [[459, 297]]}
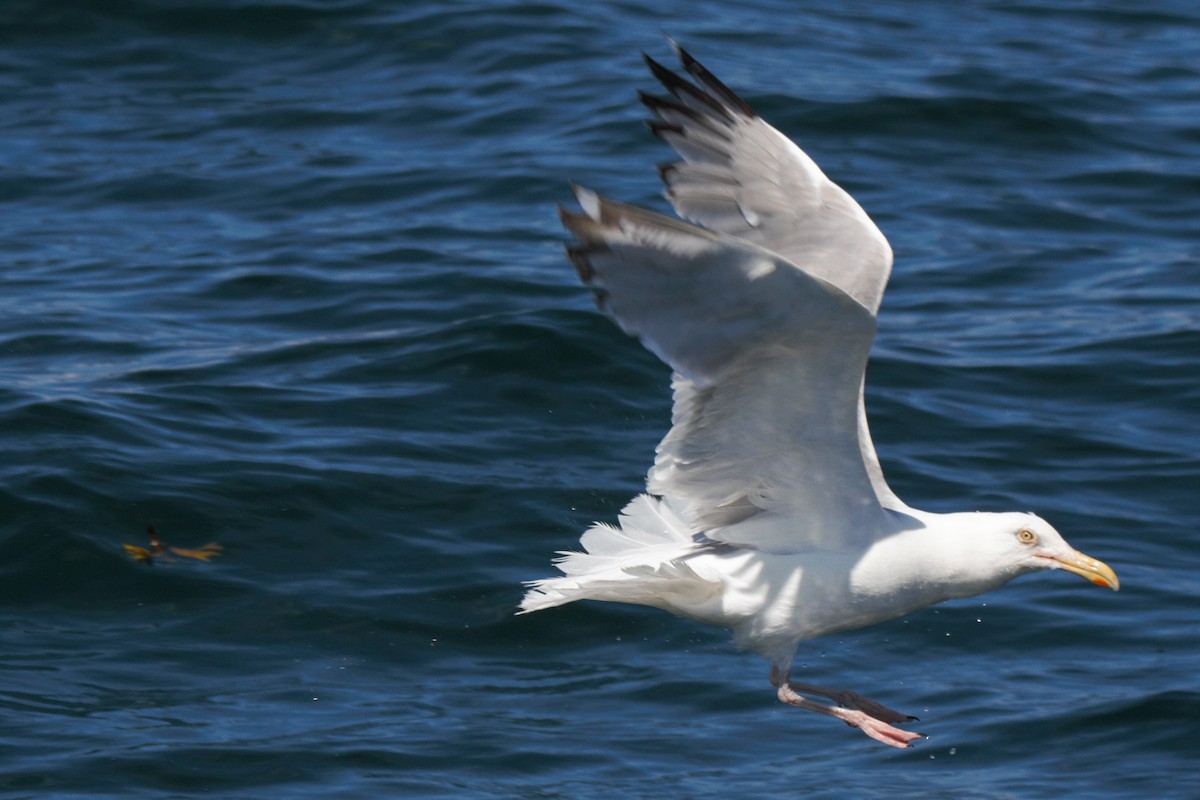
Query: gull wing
{"points": [[764, 450], [742, 177]]}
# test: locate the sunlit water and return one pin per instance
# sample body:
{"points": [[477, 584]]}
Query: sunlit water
{"points": [[286, 277]]}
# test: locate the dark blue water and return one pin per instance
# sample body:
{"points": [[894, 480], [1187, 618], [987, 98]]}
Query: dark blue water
{"points": [[286, 277]]}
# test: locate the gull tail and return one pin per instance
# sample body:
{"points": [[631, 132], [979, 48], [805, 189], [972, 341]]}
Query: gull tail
{"points": [[641, 561]]}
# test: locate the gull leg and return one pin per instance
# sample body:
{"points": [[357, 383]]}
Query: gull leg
{"points": [[858, 712], [854, 700]]}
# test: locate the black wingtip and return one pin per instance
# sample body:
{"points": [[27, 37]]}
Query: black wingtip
{"points": [[681, 87], [578, 256], [659, 105], [581, 226], [659, 128], [685, 58], [698, 71], [662, 74]]}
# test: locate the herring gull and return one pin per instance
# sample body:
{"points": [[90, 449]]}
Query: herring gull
{"points": [[766, 511]]}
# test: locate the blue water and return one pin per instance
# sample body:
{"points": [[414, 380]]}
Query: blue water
{"points": [[286, 277]]}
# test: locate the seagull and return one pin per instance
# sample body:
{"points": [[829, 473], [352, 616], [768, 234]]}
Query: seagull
{"points": [[766, 511]]}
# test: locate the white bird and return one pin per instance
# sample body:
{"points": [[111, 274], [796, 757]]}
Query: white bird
{"points": [[766, 510]]}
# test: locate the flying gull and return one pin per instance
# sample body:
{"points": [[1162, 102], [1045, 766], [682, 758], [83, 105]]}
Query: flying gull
{"points": [[766, 511]]}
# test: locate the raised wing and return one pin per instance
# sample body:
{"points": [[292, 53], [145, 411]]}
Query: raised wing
{"points": [[742, 177], [765, 448]]}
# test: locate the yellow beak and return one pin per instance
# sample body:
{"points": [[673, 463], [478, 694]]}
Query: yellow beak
{"points": [[1088, 568]]}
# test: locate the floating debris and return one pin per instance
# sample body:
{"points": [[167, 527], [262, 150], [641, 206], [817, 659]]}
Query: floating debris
{"points": [[158, 550]]}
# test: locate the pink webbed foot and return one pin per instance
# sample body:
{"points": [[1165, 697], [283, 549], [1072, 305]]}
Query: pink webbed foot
{"points": [[872, 718], [879, 730], [854, 700]]}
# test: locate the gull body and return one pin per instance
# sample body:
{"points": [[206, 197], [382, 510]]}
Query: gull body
{"points": [[766, 509]]}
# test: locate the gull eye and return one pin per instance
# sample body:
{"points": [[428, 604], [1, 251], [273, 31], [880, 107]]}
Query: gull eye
{"points": [[1026, 536]]}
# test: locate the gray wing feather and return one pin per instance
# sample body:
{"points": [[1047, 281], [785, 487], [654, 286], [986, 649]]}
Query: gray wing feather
{"points": [[765, 309], [741, 176]]}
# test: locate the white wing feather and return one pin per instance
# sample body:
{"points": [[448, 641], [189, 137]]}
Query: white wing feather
{"points": [[741, 176], [764, 447], [766, 315]]}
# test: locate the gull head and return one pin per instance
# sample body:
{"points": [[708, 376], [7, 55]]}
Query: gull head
{"points": [[1027, 543]]}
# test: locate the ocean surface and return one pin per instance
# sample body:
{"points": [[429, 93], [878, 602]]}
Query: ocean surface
{"points": [[285, 277]]}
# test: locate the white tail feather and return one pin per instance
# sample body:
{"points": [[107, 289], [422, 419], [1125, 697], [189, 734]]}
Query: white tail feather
{"points": [[637, 562]]}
